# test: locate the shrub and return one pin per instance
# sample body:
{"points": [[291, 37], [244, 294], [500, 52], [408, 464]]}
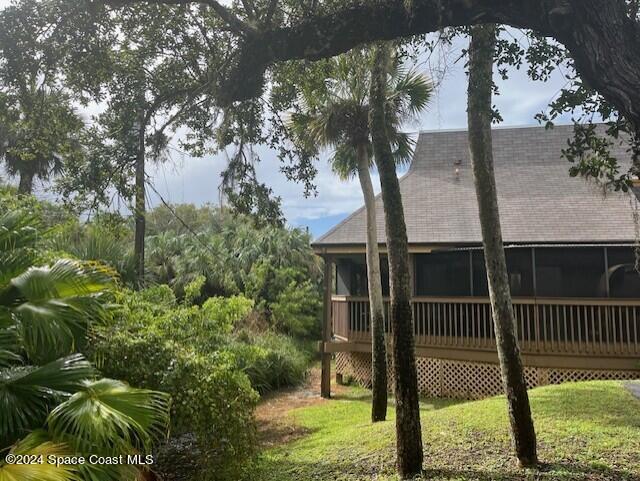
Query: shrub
{"points": [[227, 311], [297, 310], [193, 290], [207, 364], [292, 301], [161, 295], [211, 398], [270, 360], [105, 239]]}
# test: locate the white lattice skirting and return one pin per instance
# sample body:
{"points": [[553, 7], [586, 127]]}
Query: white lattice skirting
{"points": [[469, 380]]}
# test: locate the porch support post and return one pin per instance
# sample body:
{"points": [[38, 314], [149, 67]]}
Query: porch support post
{"points": [[606, 272], [325, 380], [412, 274]]}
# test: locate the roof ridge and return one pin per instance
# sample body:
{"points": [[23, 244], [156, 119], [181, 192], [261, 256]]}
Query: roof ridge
{"points": [[498, 127]]}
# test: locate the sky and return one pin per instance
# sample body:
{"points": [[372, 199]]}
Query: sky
{"points": [[184, 179], [196, 180]]}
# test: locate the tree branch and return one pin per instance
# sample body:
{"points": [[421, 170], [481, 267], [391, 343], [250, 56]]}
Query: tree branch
{"points": [[602, 38], [235, 23], [250, 8]]}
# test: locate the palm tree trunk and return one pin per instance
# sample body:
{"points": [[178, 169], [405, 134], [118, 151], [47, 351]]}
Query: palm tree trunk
{"points": [[139, 214], [481, 52], [378, 348], [408, 432], [26, 183]]}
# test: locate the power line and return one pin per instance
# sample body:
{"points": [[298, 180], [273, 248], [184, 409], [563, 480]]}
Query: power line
{"points": [[180, 219]]}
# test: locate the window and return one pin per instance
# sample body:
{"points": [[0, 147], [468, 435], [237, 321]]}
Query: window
{"points": [[520, 270], [343, 273], [624, 280], [351, 276], [443, 274], [570, 272]]}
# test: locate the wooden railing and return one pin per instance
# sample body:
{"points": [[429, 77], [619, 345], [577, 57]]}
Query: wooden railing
{"points": [[604, 327]]}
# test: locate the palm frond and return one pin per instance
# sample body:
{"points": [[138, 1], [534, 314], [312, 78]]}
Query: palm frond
{"points": [[50, 329], [38, 444], [344, 162], [66, 278], [13, 263], [337, 114], [402, 145], [18, 230], [410, 94], [54, 305], [110, 415], [109, 472], [9, 348], [27, 393]]}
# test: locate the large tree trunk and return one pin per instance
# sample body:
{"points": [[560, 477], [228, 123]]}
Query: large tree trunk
{"points": [[25, 185], [378, 349], [408, 432], [481, 52], [602, 37], [140, 208]]}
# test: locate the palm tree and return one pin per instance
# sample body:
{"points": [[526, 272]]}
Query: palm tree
{"points": [[408, 431], [50, 398], [336, 115], [481, 53], [163, 250], [41, 130]]}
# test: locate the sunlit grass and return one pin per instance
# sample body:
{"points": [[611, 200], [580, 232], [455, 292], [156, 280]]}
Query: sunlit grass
{"points": [[586, 431]]}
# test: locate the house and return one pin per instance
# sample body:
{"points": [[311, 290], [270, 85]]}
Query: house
{"points": [[569, 246]]}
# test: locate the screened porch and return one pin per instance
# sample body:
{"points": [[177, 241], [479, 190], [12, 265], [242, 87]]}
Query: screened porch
{"points": [[571, 304]]}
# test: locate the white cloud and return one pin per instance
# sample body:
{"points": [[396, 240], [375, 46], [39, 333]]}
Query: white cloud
{"points": [[187, 179]]}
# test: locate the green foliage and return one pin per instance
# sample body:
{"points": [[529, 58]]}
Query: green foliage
{"points": [[181, 350], [45, 315], [591, 158], [271, 360], [334, 113], [227, 311], [291, 299], [27, 394], [47, 214], [232, 255], [40, 127], [106, 239], [297, 309], [130, 418], [227, 256], [42, 131], [199, 219], [160, 295], [193, 290]]}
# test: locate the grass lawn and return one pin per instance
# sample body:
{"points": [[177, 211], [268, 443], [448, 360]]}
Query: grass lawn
{"points": [[586, 431]]}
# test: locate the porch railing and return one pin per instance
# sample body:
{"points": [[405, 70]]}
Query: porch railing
{"points": [[606, 327]]}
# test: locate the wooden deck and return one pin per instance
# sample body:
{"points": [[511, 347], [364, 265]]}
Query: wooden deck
{"points": [[558, 333]]}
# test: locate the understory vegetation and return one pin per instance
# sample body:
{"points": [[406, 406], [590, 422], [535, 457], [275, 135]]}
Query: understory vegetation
{"points": [[587, 431], [229, 311]]}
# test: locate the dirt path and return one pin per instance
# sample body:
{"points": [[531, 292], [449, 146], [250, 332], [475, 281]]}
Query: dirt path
{"points": [[275, 426]]}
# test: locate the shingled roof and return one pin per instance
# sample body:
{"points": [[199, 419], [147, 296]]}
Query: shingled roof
{"points": [[539, 202]]}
